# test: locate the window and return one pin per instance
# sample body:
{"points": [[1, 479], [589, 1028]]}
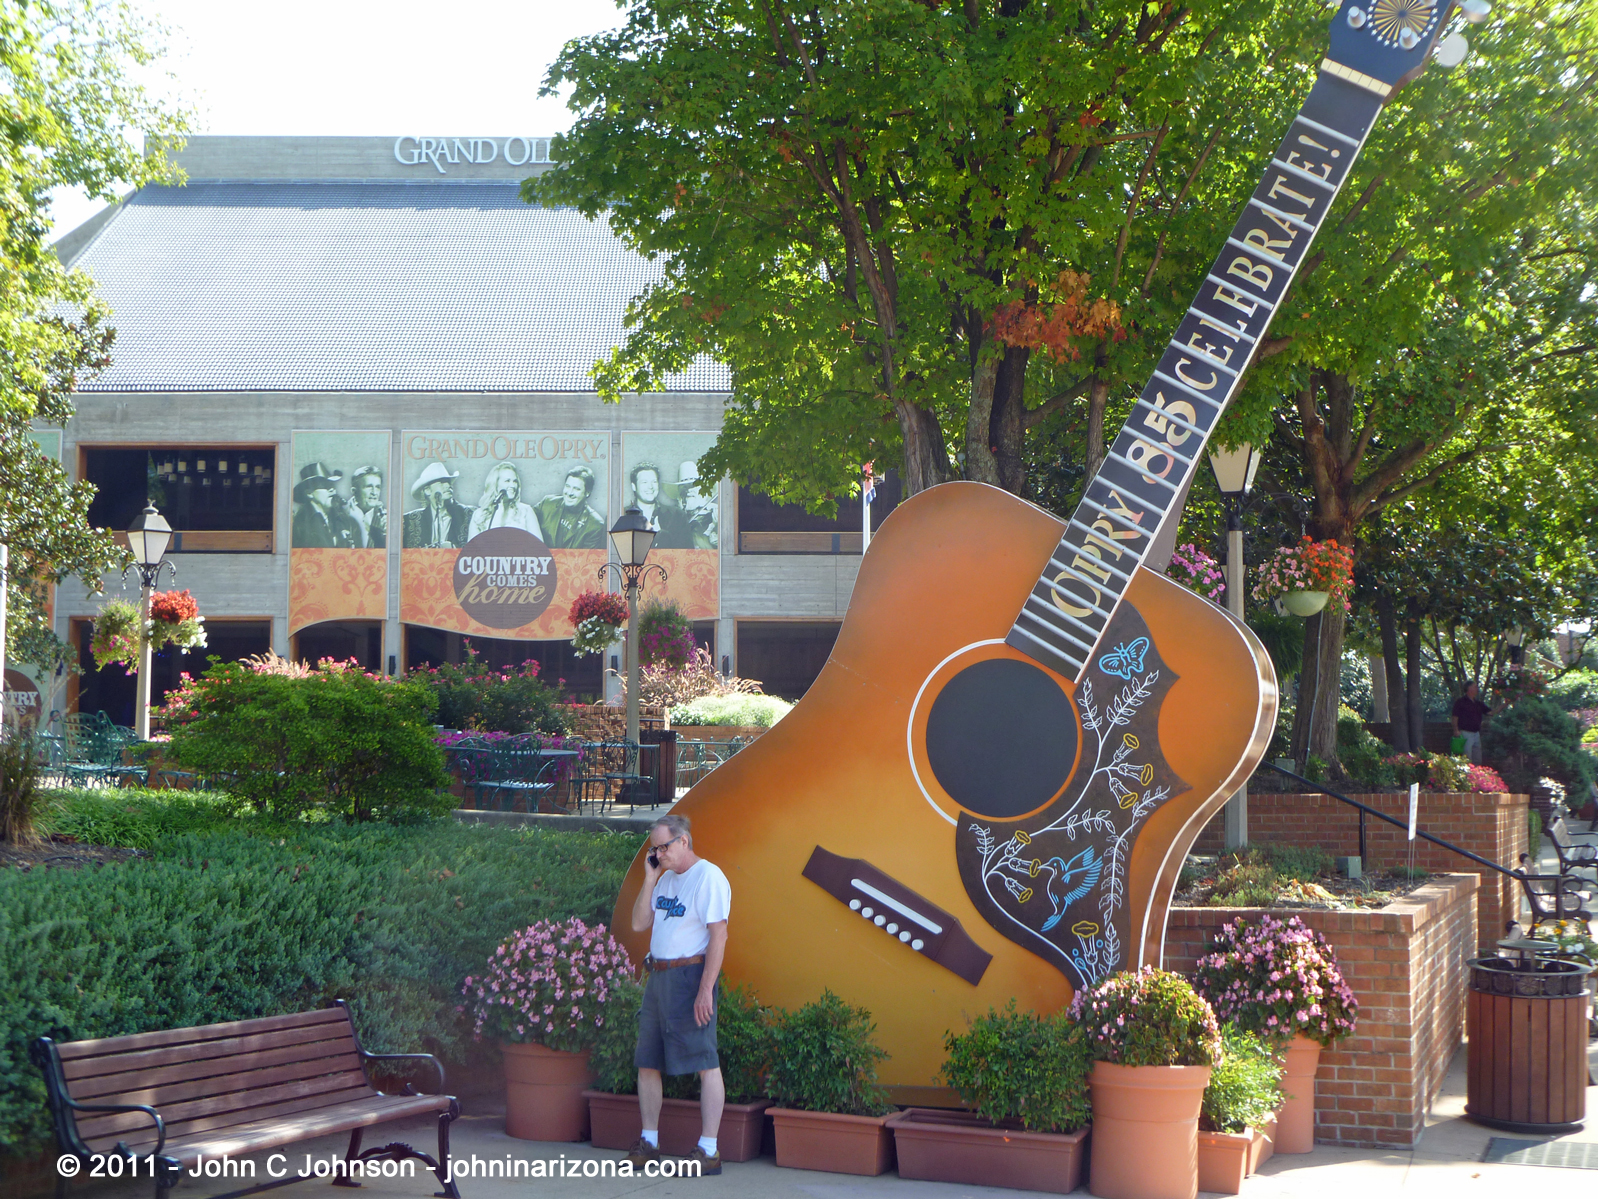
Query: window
{"points": [[767, 527], [342, 640], [784, 655], [218, 499]]}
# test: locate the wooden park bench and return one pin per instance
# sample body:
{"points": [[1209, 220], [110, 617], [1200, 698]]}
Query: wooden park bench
{"points": [[160, 1101]]}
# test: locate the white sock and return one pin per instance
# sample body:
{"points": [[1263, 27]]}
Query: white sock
{"points": [[652, 1137], [708, 1144]]}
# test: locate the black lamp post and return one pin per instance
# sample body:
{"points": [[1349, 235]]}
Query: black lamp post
{"points": [[1234, 475], [148, 537], [632, 538]]}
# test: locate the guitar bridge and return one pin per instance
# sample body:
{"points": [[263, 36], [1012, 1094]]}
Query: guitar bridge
{"points": [[920, 926]]}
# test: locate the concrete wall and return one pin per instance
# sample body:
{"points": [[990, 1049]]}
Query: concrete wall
{"points": [[1406, 965], [753, 586], [1491, 826]]}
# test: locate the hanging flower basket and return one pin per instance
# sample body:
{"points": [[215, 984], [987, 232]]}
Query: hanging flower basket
{"points": [[597, 620], [174, 620], [1307, 576]]}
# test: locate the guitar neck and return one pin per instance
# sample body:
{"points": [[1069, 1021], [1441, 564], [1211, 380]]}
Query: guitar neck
{"points": [[1151, 462]]}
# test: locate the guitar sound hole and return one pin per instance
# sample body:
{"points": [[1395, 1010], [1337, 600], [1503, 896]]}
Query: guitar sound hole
{"points": [[1001, 738]]}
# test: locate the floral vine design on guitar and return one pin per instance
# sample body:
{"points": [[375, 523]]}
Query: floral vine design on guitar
{"points": [[1055, 882]]}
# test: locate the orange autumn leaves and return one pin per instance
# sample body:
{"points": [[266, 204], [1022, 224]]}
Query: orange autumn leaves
{"points": [[1059, 320]]}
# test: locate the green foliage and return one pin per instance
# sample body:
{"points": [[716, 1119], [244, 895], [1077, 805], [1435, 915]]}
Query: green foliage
{"points": [[1534, 831], [750, 711], [132, 816], [1245, 1086], [73, 114], [1022, 1067], [1315, 769], [1363, 755], [1283, 638], [261, 918], [1246, 885], [21, 796], [743, 1041], [1577, 689], [474, 695], [1147, 1017], [1534, 738], [824, 1059], [1305, 863], [611, 1056], [338, 739]]}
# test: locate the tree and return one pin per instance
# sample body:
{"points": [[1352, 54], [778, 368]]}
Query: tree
{"points": [[70, 108], [914, 229], [1449, 305]]}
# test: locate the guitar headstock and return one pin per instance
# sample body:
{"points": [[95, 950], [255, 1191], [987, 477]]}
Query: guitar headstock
{"points": [[1393, 40]]}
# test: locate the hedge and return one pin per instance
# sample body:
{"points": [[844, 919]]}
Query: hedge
{"points": [[255, 920]]}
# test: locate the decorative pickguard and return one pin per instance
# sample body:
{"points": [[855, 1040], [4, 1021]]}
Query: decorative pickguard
{"points": [[1054, 882]]}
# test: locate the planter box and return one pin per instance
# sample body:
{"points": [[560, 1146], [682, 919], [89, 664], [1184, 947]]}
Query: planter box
{"points": [[946, 1146], [1406, 965], [1225, 1159], [616, 1124], [840, 1144]]}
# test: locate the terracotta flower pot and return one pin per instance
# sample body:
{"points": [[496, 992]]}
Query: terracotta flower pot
{"points": [[944, 1146], [1225, 1159], [1145, 1131], [1295, 1123], [840, 1144], [544, 1093], [616, 1123]]}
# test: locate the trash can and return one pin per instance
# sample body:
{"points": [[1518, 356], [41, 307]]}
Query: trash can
{"points": [[661, 765], [1527, 1022]]}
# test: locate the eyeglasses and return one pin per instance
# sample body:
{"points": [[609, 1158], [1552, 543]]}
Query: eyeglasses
{"points": [[666, 844]]}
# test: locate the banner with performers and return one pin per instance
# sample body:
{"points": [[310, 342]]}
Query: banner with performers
{"points": [[662, 478], [501, 531], [338, 536]]}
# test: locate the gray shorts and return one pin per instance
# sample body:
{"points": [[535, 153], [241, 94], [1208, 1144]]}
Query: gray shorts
{"points": [[668, 1038]]}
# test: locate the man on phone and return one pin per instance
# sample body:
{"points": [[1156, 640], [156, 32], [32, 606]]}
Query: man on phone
{"points": [[683, 904]]}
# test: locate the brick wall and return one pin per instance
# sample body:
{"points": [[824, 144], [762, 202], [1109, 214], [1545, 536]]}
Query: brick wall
{"points": [[1493, 826], [1406, 965]]}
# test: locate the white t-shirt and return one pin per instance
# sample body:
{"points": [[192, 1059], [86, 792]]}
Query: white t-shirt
{"points": [[685, 905]]}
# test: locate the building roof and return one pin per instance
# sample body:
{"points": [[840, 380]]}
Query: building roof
{"points": [[362, 287]]}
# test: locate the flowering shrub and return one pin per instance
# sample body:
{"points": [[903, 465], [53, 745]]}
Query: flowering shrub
{"points": [[1484, 779], [670, 686], [1277, 978], [551, 984], [1148, 1017], [1197, 571], [506, 699], [597, 619], [1438, 772], [116, 635], [1308, 566]]}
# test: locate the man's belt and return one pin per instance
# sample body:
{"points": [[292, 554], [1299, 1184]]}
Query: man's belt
{"points": [[653, 963]]}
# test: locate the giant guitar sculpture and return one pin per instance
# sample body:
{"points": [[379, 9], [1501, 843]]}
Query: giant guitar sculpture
{"points": [[990, 788]]}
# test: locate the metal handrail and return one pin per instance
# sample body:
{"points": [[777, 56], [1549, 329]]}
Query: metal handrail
{"points": [[1421, 833]]}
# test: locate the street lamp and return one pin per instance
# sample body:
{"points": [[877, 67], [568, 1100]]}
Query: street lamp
{"points": [[148, 538], [632, 538], [1234, 475]]}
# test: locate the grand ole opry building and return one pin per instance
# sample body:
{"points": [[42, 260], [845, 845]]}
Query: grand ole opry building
{"points": [[354, 375]]}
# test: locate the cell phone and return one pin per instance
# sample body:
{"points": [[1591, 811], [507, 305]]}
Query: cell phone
{"points": [[654, 859]]}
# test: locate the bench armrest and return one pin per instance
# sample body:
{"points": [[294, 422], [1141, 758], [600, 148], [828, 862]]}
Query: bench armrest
{"points": [[408, 1057], [155, 1116]]}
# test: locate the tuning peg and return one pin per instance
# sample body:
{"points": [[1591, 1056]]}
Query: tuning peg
{"points": [[1408, 39], [1451, 50], [1356, 18], [1476, 11]]}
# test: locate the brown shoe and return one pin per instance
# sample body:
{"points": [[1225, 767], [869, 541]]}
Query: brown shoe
{"points": [[707, 1165], [642, 1153]]}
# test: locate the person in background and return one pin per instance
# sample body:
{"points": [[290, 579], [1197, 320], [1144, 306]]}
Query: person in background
{"points": [[567, 520], [1468, 714], [501, 505], [365, 507]]}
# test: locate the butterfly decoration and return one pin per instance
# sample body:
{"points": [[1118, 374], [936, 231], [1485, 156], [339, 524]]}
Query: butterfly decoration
{"points": [[1125, 660], [1086, 866]]}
